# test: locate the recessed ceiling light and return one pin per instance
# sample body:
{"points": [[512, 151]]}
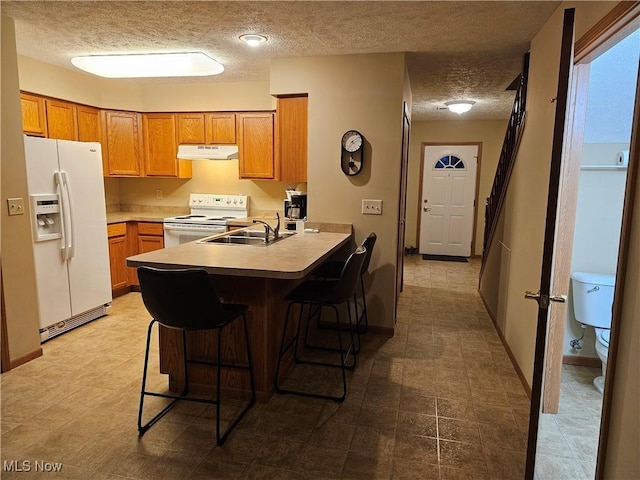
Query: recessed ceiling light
{"points": [[253, 39], [195, 64], [460, 106]]}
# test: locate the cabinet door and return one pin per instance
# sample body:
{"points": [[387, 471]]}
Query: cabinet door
{"points": [[221, 128], [190, 128], [118, 250], [123, 143], [255, 145], [62, 122], [160, 151], [33, 115], [88, 124], [291, 131]]}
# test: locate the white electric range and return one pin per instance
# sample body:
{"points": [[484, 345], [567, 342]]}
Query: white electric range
{"points": [[209, 216]]}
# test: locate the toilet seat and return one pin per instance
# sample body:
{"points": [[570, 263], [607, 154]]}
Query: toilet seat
{"points": [[603, 336]]}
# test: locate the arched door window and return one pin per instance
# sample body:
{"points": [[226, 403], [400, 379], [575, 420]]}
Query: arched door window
{"points": [[450, 161]]}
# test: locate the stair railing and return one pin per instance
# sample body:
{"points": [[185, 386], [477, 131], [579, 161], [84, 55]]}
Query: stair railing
{"points": [[508, 154]]}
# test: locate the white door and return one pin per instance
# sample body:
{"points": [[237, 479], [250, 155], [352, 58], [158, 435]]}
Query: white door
{"points": [[447, 203], [89, 274]]}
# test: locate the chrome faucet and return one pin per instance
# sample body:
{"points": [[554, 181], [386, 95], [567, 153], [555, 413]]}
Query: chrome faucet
{"points": [[269, 229]]}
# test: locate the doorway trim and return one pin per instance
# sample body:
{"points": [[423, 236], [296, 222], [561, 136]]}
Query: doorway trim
{"points": [[477, 187]]}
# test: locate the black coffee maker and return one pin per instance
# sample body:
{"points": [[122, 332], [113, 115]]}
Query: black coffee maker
{"points": [[296, 208]]}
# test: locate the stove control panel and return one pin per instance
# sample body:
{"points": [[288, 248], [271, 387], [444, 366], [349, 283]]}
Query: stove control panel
{"points": [[212, 201]]}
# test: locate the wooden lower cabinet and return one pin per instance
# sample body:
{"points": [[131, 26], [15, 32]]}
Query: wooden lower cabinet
{"points": [[118, 252], [149, 237], [127, 239]]}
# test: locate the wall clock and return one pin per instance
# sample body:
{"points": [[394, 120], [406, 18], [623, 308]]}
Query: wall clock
{"points": [[351, 158]]}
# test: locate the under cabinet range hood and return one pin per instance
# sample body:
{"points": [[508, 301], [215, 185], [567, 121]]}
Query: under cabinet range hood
{"points": [[207, 152]]}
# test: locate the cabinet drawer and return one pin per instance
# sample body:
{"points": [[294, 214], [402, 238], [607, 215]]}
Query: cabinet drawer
{"points": [[150, 229], [116, 229]]}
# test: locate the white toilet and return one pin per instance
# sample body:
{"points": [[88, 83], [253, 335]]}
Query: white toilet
{"points": [[592, 304]]}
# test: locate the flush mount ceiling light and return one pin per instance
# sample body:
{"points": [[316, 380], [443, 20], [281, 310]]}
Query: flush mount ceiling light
{"points": [[460, 106], [253, 39], [195, 64]]}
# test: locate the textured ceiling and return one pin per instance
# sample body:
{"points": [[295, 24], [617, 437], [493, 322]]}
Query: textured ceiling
{"points": [[455, 50]]}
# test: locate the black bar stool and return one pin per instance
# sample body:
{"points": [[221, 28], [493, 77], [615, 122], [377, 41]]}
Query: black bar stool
{"points": [[332, 270], [324, 293], [186, 300]]}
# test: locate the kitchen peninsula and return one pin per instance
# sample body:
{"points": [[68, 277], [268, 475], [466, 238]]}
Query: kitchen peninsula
{"points": [[258, 276]]}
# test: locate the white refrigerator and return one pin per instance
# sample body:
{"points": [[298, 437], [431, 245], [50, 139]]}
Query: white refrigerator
{"points": [[69, 226]]}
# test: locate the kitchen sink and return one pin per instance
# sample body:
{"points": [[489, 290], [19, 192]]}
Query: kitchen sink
{"points": [[241, 238], [247, 233]]}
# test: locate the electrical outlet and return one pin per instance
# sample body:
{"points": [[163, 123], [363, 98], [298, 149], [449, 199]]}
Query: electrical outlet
{"points": [[371, 207], [16, 206], [158, 194]]}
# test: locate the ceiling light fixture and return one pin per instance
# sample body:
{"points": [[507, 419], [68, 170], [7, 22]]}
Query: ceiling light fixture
{"points": [[460, 106], [253, 39], [195, 64]]}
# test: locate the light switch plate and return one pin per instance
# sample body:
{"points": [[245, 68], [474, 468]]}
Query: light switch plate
{"points": [[16, 206], [371, 207]]}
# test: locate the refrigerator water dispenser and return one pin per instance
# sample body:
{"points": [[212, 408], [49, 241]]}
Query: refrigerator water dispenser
{"points": [[45, 212]]}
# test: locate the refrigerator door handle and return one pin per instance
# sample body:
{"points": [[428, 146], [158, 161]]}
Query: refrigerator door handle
{"points": [[63, 231], [72, 232]]}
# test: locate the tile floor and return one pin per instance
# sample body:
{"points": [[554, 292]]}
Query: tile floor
{"points": [[438, 400], [568, 441]]}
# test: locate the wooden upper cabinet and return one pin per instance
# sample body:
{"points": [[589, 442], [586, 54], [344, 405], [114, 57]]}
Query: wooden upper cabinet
{"points": [[190, 128], [291, 138], [255, 145], [88, 124], [160, 148], [221, 128], [160, 151], [123, 143], [62, 120], [33, 115]]}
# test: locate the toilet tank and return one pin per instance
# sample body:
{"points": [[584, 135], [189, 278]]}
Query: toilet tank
{"points": [[593, 298]]}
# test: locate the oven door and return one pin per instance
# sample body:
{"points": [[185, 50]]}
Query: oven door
{"points": [[178, 233]]}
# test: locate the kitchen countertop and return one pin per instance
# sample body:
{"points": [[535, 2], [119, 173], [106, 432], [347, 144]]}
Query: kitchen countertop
{"points": [[289, 258], [117, 217]]}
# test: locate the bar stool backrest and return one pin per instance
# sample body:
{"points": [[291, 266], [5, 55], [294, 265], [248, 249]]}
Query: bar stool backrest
{"points": [[368, 243], [184, 299], [346, 284]]}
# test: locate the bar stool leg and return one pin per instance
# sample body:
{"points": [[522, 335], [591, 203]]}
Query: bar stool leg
{"points": [[222, 438], [364, 308], [143, 428]]}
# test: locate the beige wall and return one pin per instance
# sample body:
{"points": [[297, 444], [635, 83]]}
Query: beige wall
{"points": [[523, 233], [18, 269], [208, 177], [141, 95], [525, 206], [362, 92], [489, 132], [622, 459]]}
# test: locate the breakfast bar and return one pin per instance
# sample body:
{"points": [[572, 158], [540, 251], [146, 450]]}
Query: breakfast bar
{"points": [[259, 276]]}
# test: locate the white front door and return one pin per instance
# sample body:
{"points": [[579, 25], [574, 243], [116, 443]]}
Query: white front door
{"points": [[447, 203]]}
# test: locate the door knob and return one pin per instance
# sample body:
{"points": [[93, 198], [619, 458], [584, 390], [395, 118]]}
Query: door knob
{"points": [[425, 209], [543, 300], [532, 296]]}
